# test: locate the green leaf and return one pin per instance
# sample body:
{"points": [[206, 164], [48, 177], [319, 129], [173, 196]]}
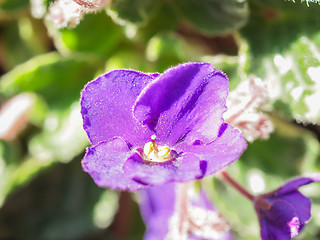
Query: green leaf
{"points": [[164, 20], [274, 24], [57, 204], [57, 79], [227, 64], [13, 5], [62, 137], [213, 16], [14, 47], [134, 11], [235, 208], [166, 50], [96, 35], [284, 41], [163, 45], [279, 155], [291, 150], [130, 59], [10, 155], [14, 170]]}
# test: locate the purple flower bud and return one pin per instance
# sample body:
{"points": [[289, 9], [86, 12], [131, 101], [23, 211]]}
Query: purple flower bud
{"points": [[151, 129], [284, 212]]}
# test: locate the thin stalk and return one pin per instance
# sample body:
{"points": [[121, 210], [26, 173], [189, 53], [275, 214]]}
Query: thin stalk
{"points": [[237, 186]]}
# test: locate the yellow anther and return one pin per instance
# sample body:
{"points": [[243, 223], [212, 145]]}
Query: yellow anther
{"points": [[156, 154], [164, 152], [148, 148]]}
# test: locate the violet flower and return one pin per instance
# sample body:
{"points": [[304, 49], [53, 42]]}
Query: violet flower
{"points": [[151, 129], [167, 217], [284, 212]]}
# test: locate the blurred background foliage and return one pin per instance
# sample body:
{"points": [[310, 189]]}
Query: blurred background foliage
{"points": [[43, 192]]}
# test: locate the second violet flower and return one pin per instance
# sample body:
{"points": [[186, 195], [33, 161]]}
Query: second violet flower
{"points": [[151, 129]]}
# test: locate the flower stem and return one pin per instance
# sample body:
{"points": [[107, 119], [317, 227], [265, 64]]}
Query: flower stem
{"points": [[235, 185], [181, 205]]}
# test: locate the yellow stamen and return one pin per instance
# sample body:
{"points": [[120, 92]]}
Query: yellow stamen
{"points": [[164, 152], [154, 153], [148, 148]]}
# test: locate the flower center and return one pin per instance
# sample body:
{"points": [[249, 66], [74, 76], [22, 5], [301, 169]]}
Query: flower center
{"points": [[154, 153]]}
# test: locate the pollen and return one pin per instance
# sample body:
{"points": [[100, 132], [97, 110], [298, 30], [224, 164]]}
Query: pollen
{"points": [[164, 152], [148, 148], [154, 153]]}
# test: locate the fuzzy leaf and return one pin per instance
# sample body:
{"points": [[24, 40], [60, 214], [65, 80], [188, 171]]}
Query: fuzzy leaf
{"points": [[96, 35], [284, 49], [135, 11], [43, 72], [58, 203], [13, 5], [214, 16]]}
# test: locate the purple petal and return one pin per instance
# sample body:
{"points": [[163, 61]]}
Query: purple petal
{"points": [[202, 201], [270, 232], [183, 168], [277, 223], [106, 107], [157, 206], [104, 162], [157, 228], [294, 184], [154, 75], [156, 199], [300, 203], [185, 102], [226, 236], [224, 150]]}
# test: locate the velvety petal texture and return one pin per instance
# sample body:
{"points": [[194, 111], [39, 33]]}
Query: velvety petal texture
{"points": [[300, 203], [214, 156], [106, 105], [189, 105], [296, 183], [157, 206], [278, 219], [104, 163], [284, 212], [151, 129], [181, 169]]}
